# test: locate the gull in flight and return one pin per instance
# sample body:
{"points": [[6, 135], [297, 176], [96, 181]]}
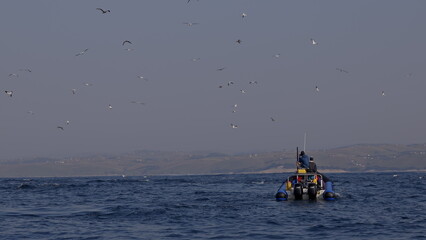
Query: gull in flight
{"points": [[243, 15], [73, 90], [277, 55], [238, 41], [103, 11], [13, 75], [126, 41], [253, 82], [143, 78], [30, 112], [316, 88], [189, 24], [25, 69], [242, 91], [109, 106], [314, 42], [196, 59], [88, 84], [230, 83], [9, 93], [272, 119], [233, 125], [342, 70], [129, 49], [235, 108], [82, 52], [383, 93], [67, 122], [221, 69], [60, 127]]}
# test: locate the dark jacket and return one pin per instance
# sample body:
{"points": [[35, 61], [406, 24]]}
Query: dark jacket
{"points": [[312, 167], [304, 161]]}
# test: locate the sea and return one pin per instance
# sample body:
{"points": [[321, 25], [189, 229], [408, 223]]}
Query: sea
{"points": [[389, 205]]}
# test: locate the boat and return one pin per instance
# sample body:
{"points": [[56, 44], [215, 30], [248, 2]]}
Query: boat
{"points": [[305, 185]]}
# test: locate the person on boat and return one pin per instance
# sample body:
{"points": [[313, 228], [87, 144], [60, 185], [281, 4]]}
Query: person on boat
{"points": [[313, 168], [303, 160], [312, 165]]}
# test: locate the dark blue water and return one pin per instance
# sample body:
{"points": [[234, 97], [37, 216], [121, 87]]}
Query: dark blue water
{"points": [[371, 206]]}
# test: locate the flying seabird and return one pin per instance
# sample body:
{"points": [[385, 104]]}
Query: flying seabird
{"points": [[109, 106], [342, 70], [253, 82], [73, 90], [221, 69], [30, 112], [242, 91], [67, 122], [60, 127], [196, 59], [233, 125], [277, 55], [235, 108], [88, 84], [9, 93], [230, 83], [82, 52], [243, 15], [126, 41], [189, 24], [143, 78], [103, 11], [383, 93], [238, 41], [272, 119], [314, 42], [13, 75], [25, 69], [316, 88]]}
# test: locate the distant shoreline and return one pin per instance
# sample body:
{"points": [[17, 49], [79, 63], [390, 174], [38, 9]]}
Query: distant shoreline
{"points": [[230, 173]]}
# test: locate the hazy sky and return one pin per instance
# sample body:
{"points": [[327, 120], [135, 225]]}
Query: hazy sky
{"points": [[380, 45]]}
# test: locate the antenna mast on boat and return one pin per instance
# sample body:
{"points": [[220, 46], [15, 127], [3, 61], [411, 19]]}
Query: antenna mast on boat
{"points": [[304, 143]]}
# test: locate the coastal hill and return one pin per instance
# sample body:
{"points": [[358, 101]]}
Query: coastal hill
{"points": [[355, 158]]}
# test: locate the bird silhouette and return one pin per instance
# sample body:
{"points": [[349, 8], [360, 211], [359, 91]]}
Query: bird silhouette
{"points": [[9, 93], [82, 52], [126, 41], [103, 11]]}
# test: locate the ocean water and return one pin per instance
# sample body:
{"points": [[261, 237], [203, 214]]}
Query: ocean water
{"points": [[370, 206]]}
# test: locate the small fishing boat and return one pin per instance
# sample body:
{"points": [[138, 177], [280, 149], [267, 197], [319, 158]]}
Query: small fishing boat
{"points": [[305, 186]]}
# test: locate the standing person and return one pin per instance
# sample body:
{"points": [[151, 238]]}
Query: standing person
{"points": [[303, 160]]}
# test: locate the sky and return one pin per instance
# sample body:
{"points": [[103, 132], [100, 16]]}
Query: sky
{"points": [[363, 82]]}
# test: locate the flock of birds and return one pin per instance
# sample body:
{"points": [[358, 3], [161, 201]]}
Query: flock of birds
{"points": [[243, 15]]}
